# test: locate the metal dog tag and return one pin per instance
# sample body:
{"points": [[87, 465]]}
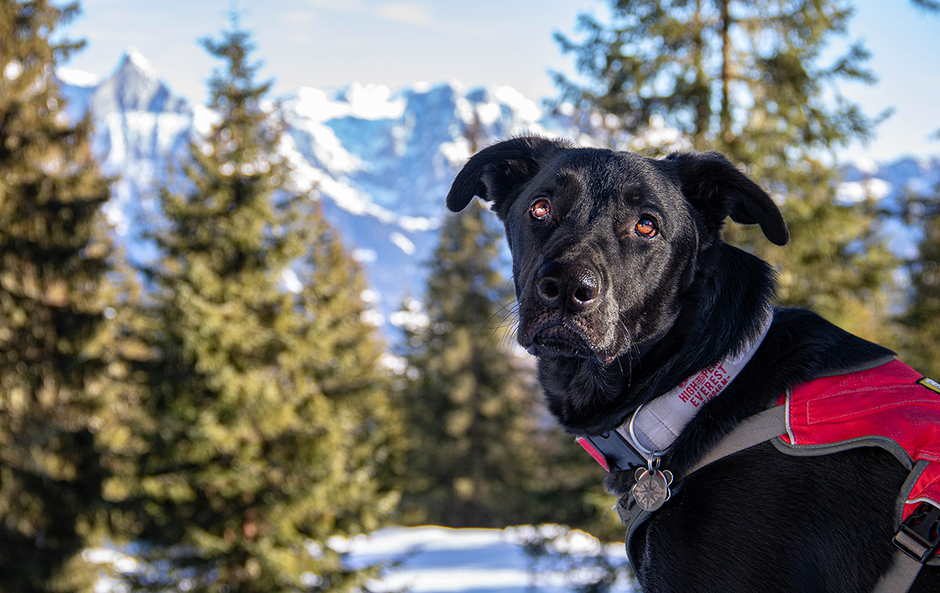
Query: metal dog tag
{"points": [[651, 490]]}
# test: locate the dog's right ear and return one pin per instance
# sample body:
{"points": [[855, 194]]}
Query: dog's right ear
{"points": [[495, 173], [718, 190]]}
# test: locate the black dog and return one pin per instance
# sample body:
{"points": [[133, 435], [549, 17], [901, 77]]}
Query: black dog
{"points": [[625, 290]]}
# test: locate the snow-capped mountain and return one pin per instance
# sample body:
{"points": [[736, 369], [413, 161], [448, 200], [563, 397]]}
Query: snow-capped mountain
{"points": [[888, 182], [380, 160]]}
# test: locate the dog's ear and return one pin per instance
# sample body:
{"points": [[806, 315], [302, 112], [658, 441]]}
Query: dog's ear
{"points": [[495, 172], [717, 189]]}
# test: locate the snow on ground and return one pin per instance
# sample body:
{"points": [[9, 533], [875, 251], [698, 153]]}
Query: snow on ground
{"points": [[442, 560]]}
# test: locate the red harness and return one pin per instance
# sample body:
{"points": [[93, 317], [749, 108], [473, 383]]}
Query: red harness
{"points": [[892, 406]]}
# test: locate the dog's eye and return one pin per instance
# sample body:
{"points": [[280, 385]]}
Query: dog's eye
{"points": [[646, 227], [540, 209]]}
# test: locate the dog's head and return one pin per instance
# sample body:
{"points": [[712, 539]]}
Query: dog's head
{"points": [[607, 247]]}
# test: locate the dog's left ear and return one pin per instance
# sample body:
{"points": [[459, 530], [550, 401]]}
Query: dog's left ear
{"points": [[717, 189], [496, 172]]}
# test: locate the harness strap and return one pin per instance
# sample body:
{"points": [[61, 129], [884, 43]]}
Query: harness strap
{"points": [[771, 424], [751, 431], [917, 540], [901, 576]]}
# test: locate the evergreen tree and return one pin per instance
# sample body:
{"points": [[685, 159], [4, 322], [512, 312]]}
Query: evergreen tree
{"points": [[268, 422], [55, 300], [482, 449], [927, 5], [483, 452], [922, 316], [471, 420], [747, 78]]}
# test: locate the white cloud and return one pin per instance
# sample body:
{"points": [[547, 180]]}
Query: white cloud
{"points": [[410, 13], [402, 242], [297, 26], [364, 256], [417, 14]]}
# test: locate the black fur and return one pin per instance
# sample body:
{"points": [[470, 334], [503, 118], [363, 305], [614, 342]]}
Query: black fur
{"points": [[616, 318]]}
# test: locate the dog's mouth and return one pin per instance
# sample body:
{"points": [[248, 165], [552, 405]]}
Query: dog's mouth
{"points": [[558, 340]]}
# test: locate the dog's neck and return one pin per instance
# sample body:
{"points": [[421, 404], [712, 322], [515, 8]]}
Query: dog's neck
{"points": [[654, 426], [590, 399]]}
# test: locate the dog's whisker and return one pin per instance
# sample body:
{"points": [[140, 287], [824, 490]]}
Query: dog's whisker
{"points": [[506, 327], [510, 324], [631, 350]]}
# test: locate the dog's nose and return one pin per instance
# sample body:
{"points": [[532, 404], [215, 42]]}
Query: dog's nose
{"points": [[573, 286]]}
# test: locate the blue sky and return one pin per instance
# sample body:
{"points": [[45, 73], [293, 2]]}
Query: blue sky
{"points": [[329, 43]]}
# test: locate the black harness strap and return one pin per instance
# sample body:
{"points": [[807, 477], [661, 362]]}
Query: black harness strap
{"points": [[916, 542]]}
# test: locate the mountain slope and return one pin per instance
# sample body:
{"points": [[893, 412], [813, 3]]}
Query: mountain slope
{"points": [[381, 161]]}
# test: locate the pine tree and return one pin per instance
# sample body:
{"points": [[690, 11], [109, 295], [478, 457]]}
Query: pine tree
{"points": [[922, 316], [55, 302], [921, 319], [927, 5], [471, 419], [268, 424], [747, 79], [483, 452]]}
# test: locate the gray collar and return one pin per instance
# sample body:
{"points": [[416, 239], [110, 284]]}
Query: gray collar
{"points": [[655, 426]]}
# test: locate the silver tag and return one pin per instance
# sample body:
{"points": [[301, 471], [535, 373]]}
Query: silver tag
{"points": [[651, 490]]}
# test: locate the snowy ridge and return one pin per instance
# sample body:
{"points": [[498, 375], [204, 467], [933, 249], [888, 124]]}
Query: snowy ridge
{"points": [[135, 86], [381, 160]]}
